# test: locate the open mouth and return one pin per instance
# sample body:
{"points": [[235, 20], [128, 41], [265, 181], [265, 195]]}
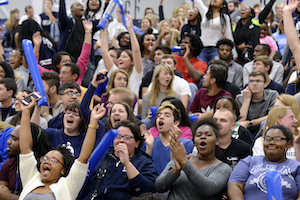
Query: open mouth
{"points": [[160, 124], [117, 119], [46, 170], [202, 144], [70, 121]]}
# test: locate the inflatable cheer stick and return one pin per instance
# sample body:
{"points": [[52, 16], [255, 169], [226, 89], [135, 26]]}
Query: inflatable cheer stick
{"points": [[123, 19], [3, 2], [110, 8], [273, 183], [123, 14], [102, 148], [153, 112], [34, 71]]}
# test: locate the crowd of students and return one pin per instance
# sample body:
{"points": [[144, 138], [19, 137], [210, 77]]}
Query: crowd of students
{"points": [[227, 103]]}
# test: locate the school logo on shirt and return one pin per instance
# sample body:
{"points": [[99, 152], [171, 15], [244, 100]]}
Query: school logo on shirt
{"points": [[260, 181], [69, 146], [208, 109]]}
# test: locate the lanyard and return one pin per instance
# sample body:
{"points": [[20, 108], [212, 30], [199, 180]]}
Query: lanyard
{"points": [[8, 113]]}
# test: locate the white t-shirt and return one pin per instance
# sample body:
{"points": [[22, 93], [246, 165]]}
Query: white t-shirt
{"points": [[36, 18], [180, 85]]}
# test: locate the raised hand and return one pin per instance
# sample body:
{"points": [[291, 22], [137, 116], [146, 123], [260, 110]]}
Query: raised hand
{"points": [[88, 25], [149, 139], [96, 82], [129, 21], [98, 112], [37, 38], [291, 6], [21, 96]]}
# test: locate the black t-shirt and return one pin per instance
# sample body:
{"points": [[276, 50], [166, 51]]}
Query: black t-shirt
{"points": [[245, 135], [237, 150]]}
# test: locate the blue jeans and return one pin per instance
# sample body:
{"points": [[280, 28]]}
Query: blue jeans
{"points": [[207, 55]]}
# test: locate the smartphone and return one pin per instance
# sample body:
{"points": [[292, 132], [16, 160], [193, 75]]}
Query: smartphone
{"points": [[27, 99], [100, 76]]}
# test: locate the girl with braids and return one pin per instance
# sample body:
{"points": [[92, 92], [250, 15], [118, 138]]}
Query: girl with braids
{"points": [[92, 11], [60, 176], [215, 25], [9, 173], [247, 31], [194, 23]]}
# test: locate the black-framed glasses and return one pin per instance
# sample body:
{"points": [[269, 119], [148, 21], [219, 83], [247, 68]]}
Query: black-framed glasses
{"points": [[71, 93], [69, 112], [125, 137], [277, 139], [53, 160]]}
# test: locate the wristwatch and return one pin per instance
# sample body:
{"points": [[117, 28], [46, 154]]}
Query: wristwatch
{"points": [[250, 123]]}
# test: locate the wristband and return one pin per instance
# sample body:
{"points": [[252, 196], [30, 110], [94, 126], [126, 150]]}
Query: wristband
{"points": [[94, 127]]}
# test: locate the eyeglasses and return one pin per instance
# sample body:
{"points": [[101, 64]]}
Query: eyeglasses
{"points": [[193, 10], [71, 93], [69, 112], [125, 137], [256, 81], [275, 139], [53, 160]]}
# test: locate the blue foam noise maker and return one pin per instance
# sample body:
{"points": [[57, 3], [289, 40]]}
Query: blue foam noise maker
{"points": [[3, 2], [153, 112], [193, 117], [102, 147], [123, 14], [175, 48], [110, 8], [273, 182], [34, 71]]}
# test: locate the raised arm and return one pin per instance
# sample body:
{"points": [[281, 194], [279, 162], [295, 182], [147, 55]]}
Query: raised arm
{"points": [[89, 140], [84, 57], [108, 62], [86, 100], [136, 53], [161, 10], [157, 43], [264, 13], [25, 138], [291, 35], [202, 8]]}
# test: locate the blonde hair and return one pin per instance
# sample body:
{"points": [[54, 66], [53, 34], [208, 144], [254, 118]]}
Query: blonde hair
{"points": [[110, 84], [155, 89], [180, 20], [274, 114], [175, 37], [292, 102], [160, 24], [12, 22]]}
